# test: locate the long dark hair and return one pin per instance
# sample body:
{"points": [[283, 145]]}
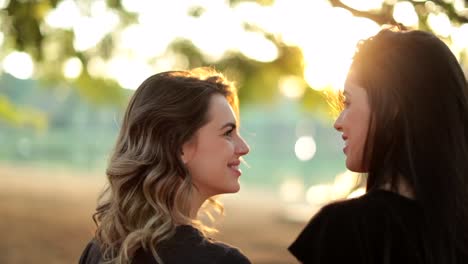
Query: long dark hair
{"points": [[418, 97], [149, 186]]}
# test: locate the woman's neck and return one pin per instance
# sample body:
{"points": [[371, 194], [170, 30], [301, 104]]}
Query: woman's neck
{"points": [[194, 204], [196, 201]]}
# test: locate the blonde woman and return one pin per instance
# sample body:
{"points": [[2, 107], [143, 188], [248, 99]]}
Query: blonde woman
{"points": [[178, 146]]}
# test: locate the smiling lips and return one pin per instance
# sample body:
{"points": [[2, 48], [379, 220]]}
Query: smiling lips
{"points": [[345, 139], [234, 166]]}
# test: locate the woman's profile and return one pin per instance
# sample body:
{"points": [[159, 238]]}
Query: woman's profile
{"points": [[178, 146], [405, 124]]}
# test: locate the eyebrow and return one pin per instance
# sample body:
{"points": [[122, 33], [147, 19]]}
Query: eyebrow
{"points": [[229, 124]]}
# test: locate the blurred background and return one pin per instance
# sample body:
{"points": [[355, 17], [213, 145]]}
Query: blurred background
{"points": [[67, 69]]}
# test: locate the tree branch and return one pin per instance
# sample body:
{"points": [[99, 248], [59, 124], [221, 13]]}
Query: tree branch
{"points": [[451, 12], [385, 15]]}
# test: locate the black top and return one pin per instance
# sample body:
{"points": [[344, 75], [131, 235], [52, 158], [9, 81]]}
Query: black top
{"points": [[187, 246], [378, 227]]}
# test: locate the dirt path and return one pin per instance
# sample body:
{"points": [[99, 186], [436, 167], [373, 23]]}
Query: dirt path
{"points": [[45, 217]]}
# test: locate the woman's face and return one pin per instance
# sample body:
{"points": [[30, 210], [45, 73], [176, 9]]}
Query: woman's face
{"points": [[214, 154], [353, 123]]}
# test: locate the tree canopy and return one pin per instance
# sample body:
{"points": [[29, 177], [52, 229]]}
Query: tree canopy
{"points": [[85, 43]]}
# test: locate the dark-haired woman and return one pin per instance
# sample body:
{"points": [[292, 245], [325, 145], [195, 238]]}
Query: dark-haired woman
{"points": [[404, 124]]}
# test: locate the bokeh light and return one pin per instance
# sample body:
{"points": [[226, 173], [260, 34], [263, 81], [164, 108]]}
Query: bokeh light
{"points": [[305, 148], [459, 5], [318, 194], [328, 52], [135, 41], [89, 31], [292, 189], [256, 47], [440, 24], [64, 16], [292, 86], [343, 184], [72, 68], [97, 67], [19, 64], [460, 40], [4, 3], [325, 34], [118, 68], [405, 13]]}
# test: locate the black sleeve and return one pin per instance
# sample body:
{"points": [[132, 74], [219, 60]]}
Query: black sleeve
{"points": [[234, 256], [91, 254], [330, 237]]}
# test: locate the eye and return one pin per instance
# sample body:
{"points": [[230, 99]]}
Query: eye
{"points": [[343, 101], [228, 133], [346, 103], [340, 102]]}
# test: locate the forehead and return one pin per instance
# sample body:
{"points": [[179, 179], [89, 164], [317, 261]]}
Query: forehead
{"points": [[354, 90], [220, 110], [352, 83]]}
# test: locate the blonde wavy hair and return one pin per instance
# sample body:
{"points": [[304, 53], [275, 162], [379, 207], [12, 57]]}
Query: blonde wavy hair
{"points": [[149, 186]]}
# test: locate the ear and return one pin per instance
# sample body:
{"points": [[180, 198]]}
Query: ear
{"points": [[188, 150]]}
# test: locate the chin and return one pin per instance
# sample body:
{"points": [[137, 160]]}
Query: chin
{"points": [[355, 168], [233, 188]]}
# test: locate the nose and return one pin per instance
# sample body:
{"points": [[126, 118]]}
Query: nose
{"points": [[242, 147], [338, 125]]}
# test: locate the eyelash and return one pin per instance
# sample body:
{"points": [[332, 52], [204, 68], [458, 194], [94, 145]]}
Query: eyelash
{"points": [[341, 103], [345, 103], [229, 132]]}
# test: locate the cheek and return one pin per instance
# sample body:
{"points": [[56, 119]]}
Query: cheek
{"points": [[212, 155], [217, 149], [364, 126], [363, 134], [359, 154]]}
